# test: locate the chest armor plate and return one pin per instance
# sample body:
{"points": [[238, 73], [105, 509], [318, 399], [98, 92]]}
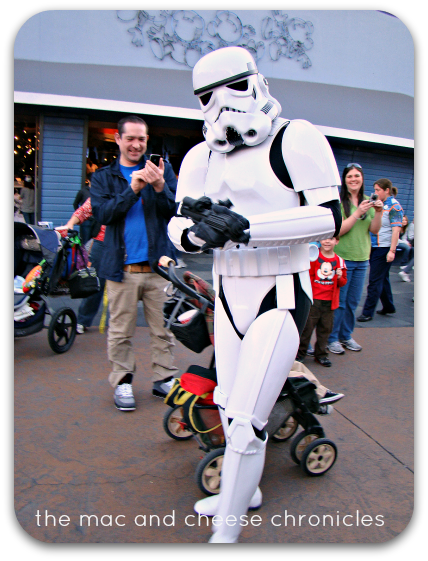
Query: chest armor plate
{"points": [[246, 178]]}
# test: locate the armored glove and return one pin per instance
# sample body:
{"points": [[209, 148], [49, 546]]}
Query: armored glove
{"points": [[215, 224]]}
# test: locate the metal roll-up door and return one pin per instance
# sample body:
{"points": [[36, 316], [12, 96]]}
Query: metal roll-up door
{"points": [[395, 166], [62, 167]]}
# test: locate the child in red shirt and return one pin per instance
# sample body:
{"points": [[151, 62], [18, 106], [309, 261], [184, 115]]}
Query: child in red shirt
{"points": [[328, 274]]}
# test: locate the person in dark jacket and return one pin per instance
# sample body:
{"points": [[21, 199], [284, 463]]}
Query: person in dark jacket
{"points": [[81, 197], [135, 199]]}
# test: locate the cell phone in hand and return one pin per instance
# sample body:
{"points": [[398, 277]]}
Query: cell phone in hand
{"points": [[155, 158]]}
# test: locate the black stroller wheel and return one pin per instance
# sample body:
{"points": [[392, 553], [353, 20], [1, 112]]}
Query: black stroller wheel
{"points": [[174, 426], [208, 472], [299, 444], [287, 429], [318, 457], [62, 330]]}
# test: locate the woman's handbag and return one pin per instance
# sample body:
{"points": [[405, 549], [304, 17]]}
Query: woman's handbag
{"points": [[84, 282]]}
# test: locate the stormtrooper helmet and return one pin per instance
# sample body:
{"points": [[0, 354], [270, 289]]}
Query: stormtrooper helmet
{"points": [[234, 98]]}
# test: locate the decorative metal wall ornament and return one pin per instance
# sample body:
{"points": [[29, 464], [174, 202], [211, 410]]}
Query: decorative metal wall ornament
{"points": [[183, 36], [289, 37]]}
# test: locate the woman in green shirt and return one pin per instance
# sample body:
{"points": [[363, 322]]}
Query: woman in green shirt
{"points": [[360, 216]]}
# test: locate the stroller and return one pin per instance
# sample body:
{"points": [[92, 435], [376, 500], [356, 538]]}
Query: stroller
{"points": [[192, 412], [51, 258]]}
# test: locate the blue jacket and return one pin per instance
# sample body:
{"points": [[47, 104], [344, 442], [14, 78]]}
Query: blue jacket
{"points": [[112, 197]]}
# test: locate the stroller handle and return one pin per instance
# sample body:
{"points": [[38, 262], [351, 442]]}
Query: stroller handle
{"points": [[158, 267]]}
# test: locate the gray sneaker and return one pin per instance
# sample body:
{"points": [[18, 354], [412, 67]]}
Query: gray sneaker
{"points": [[404, 276], [335, 348], [162, 388], [352, 345], [124, 398]]}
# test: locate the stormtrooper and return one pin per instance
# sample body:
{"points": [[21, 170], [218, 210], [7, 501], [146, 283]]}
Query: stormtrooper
{"points": [[281, 176]]}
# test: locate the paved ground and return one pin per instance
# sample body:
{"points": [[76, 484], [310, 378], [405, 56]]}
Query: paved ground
{"points": [[75, 454], [202, 265]]}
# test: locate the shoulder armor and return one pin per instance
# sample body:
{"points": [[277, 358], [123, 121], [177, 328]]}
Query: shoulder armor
{"points": [[308, 157], [193, 171]]}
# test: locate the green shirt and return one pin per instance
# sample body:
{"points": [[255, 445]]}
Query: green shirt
{"points": [[355, 245]]}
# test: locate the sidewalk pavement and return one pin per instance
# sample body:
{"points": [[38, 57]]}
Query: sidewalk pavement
{"points": [[76, 455], [201, 265]]}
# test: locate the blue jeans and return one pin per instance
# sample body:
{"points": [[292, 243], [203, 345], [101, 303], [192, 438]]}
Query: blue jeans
{"points": [[89, 306], [28, 217], [350, 296], [379, 286], [85, 231], [406, 249]]}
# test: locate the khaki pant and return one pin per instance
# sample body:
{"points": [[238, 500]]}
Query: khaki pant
{"points": [[123, 300]]}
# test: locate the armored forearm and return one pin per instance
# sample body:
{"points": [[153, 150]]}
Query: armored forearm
{"points": [[291, 226]]}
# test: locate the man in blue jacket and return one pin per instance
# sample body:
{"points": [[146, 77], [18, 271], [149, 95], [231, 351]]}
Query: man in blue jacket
{"points": [[135, 199]]}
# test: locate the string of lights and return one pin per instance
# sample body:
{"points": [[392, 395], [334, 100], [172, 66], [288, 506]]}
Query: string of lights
{"points": [[25, 149]]}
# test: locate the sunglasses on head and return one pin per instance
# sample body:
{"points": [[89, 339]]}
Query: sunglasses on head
{"points": [[354, 165]]}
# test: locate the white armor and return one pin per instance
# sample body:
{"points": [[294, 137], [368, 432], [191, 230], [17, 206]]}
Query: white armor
{"points": [[254, 353]]}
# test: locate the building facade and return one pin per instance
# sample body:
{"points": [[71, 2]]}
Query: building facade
{"points": [[350, 73]]}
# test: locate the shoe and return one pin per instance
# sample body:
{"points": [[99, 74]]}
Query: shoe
{"points": [[384, 313], [80, 329], [364, 318], [323, 360], [331, 397], [209, 505], [300, 358], [351, 345], [325, 409], [162, 387], [335, 348], [404, 276], [180, 264], [310, 351], [124, 398], [403, 267]]}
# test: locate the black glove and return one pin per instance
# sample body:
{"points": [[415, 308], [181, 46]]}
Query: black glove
{"points": [[214, 223], [212, 237]]}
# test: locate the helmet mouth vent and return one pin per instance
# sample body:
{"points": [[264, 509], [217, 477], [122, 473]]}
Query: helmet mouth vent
{"points": [[233, 137]]}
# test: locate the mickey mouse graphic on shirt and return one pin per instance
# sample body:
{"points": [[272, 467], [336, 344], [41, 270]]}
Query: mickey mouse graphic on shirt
{"points": [[326, 270]]}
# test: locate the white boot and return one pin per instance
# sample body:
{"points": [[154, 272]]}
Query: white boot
{"points": [[209, 505], [242, 470], [217, 537]]}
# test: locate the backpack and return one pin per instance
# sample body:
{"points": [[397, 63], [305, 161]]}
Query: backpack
{"points": [[195, 386], [306, 391]]}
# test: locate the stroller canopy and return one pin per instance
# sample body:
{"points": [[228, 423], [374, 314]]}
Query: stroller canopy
{"points": [[49, 240]]}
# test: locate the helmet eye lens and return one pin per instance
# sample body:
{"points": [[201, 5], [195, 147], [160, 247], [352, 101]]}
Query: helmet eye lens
{"points": [[205, 99], [241, 86]]}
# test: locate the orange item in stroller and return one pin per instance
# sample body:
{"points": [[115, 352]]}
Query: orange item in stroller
{"points": [[29, 282]]}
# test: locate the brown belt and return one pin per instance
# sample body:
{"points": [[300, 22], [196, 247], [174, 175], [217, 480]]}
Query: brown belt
{"points": [[137, 268]]}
